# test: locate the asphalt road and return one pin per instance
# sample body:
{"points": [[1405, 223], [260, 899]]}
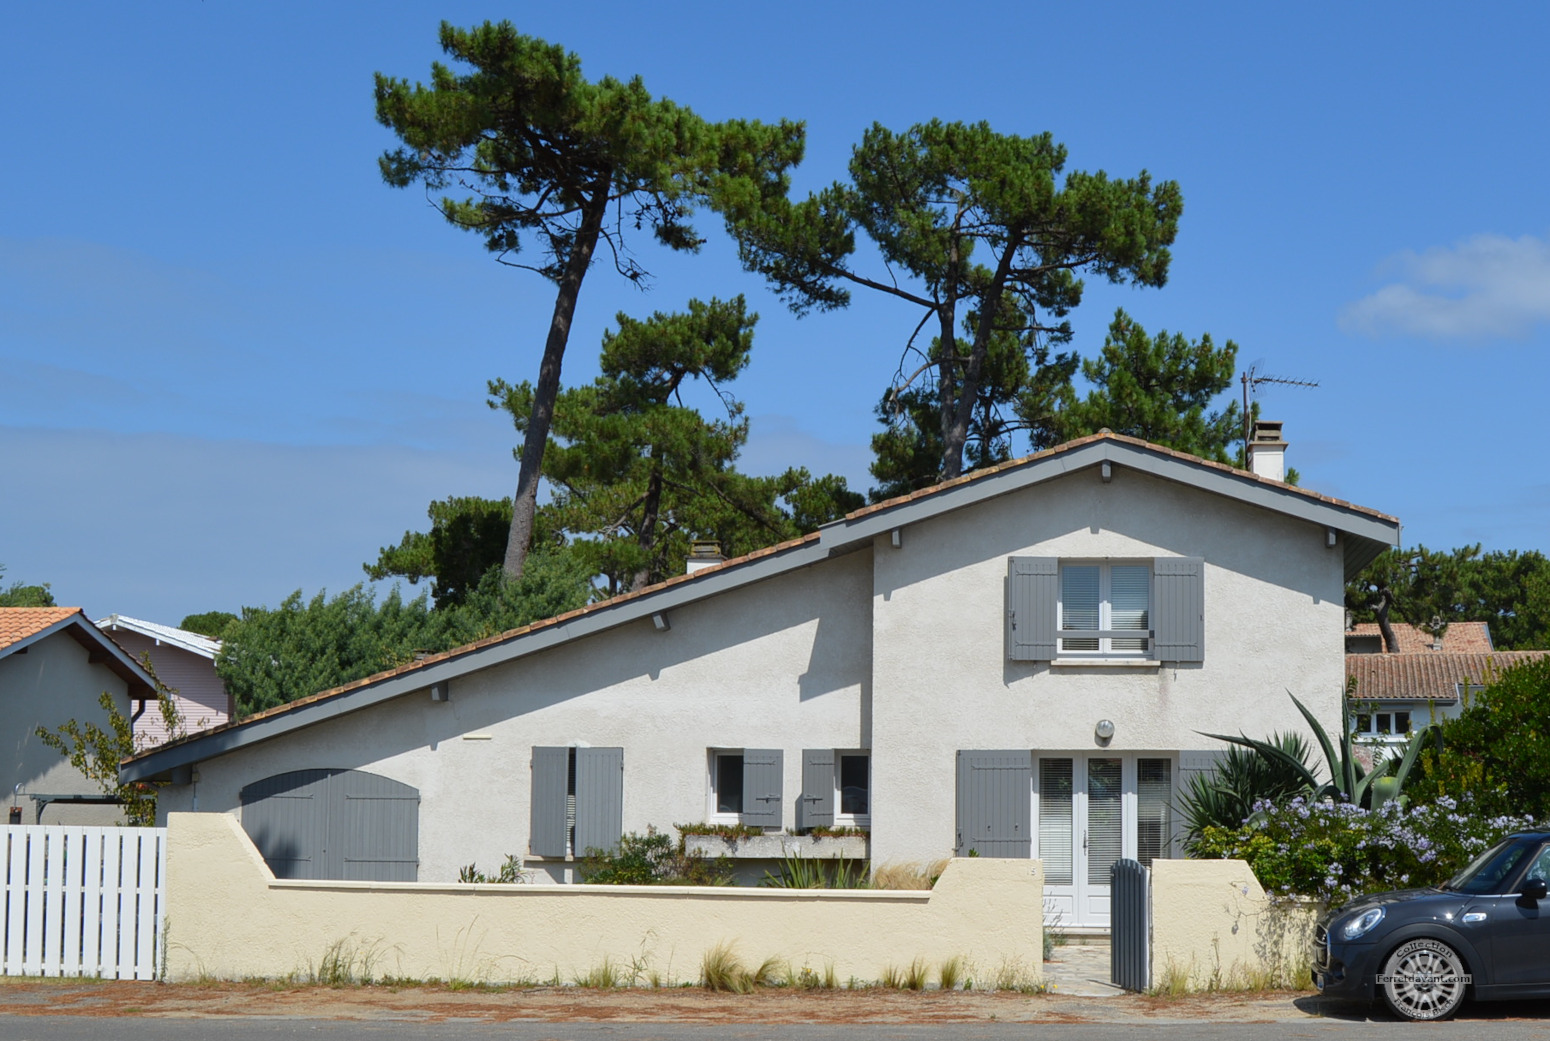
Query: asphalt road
{"points": [[70, 1028]]}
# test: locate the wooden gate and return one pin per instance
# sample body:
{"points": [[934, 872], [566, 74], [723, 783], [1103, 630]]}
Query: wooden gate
{"points": [[1130, 925], [83, 901]]}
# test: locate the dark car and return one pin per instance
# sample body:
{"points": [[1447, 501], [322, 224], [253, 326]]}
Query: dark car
{"points": [[1484, 933]]}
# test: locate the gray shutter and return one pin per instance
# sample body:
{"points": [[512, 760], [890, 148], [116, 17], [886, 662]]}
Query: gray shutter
{"points": [[1033, 588], [762, 779], [599, 798], [1179, 608], [375, 826], [995, 803], [287, 818], [817, 806], [1191, 765], [547, 831]]}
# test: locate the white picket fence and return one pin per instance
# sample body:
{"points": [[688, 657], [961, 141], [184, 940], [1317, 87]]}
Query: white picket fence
{"points": [[83, 901]]}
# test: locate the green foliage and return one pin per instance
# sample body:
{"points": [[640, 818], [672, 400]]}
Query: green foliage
{"points": [[96, 750], [638, 475], [1338, 851], [272, 656], [510, 872], [799, 872], [467, 538], [1430, 589], [211, 623], [19, 595], [1226, 797], [653, 859], [1159, 388], [530, 150], [981, 231], [1349, 781], [1495, 756]]}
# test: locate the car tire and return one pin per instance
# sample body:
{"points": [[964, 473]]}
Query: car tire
{"points": [[1423, 980]]}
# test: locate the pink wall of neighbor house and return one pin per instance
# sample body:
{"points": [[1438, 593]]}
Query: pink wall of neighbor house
{"points": [[201, 696]]}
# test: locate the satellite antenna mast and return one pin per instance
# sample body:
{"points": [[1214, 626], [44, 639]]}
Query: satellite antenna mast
{"points": [[1251, 381]]}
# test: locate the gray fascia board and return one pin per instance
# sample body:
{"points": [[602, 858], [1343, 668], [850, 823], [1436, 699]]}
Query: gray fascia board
{"points": [[98, 637], [158, 764], [1244, 488]]}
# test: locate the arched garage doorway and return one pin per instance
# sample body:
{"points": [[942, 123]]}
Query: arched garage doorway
{"points": [[335, 824]]}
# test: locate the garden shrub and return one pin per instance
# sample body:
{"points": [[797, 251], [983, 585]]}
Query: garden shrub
{"points": [[653, 859], [1338, 851]]}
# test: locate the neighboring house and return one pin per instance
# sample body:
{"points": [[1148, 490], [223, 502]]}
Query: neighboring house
{"points": [[1427, 680], [1014, 663], [54, 667], [1458, 637], [185, 663]]}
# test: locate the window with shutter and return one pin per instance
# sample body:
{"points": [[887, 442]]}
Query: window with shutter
{"points": [[577, 801], [746, 786], [1106, 609]]}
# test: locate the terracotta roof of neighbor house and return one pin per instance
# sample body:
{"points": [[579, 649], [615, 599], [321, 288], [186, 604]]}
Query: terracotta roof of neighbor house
{"points": [[18, 623], [852, 526], [1429, 676], [23, 626], [1458, 637]]}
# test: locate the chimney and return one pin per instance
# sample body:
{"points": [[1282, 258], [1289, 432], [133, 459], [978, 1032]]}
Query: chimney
{"points": [[703, 554], [1267, 452]]}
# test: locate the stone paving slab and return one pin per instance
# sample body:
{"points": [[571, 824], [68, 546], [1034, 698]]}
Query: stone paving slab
{"points": [[1081, 970]]}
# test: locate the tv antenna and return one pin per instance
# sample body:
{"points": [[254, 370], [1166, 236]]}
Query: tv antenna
{"points": [[1251, 381]]}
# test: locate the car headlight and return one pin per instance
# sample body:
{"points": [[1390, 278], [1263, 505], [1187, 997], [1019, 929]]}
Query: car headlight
{"points": [[1362, 924]]}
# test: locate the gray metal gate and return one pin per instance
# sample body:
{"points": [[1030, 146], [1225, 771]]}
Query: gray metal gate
{"points": [[335, 824], [1130, 925]]}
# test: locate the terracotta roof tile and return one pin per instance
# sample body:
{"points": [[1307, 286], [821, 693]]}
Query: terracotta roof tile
{"points": [[18, 623], [1431, 676], [1458, 637]]}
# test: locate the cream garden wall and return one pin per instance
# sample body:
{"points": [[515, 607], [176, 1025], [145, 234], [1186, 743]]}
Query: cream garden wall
{"points": [[987, 912]]}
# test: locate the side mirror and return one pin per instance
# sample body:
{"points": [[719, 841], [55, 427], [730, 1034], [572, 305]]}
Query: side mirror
{"points": [[1536, 889]]}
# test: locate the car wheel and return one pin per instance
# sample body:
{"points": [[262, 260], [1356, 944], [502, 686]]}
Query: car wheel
{"points": [[1424, 979]]}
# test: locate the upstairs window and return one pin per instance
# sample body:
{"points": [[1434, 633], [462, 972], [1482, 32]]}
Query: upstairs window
{"points": [[1099, 603], [1136, 610]]}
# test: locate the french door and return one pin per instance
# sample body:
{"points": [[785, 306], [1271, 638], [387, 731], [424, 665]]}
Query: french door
{"points": [[1089, 811]]}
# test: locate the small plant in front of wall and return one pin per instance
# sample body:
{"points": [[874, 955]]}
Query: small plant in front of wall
{"points": [[825, 831], [726, 832], [799, 872], [511, 872]]}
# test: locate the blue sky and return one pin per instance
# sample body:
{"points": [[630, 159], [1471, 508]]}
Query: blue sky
{"points": [[233, 363]]}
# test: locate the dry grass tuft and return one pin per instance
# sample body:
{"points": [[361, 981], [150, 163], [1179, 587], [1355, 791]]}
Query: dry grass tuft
{"points": [[907, 875]]}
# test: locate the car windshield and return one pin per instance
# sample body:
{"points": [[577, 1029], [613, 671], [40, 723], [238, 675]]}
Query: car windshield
{"points": [[1488, 873]]}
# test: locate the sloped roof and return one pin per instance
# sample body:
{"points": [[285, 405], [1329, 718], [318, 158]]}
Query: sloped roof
{"points": [[17, 624], [1458, 637], [1428, 676], [196, 643], [1365, 533], [21, 627]]}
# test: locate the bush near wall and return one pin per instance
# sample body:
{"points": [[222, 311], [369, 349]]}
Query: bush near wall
{"points": [[1336, 851]]}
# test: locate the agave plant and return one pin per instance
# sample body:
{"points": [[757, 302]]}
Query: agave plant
{"points": [[1348, 781], [1225, 798]]}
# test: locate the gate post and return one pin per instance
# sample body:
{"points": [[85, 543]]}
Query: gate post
{"points": [[1130, 929]]}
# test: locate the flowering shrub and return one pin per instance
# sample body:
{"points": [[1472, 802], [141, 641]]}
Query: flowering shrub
{"points": [[1337, 851]]}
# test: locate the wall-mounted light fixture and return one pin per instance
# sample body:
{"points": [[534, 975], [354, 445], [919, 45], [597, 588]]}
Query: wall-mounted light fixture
{"points": [[1106, 472], [660, 621], [440, 691], [1104, 730]]}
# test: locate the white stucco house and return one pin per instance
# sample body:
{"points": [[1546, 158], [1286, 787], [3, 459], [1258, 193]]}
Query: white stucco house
{"points": [[54, 668], [1016, 662]]}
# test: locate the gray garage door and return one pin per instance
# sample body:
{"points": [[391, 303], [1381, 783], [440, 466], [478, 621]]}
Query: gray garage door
{"points": [[335, 824]]}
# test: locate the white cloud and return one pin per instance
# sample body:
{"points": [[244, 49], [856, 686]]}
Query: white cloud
{"points": [[1486, 286]]}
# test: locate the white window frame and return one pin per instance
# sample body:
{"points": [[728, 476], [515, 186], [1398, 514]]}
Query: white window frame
{"points": [[852, 820], [712, 789], [1105, 649], [1376, 734]]}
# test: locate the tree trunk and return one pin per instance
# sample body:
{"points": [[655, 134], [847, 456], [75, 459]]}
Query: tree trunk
{"points": [[1380, 611], [650, 510], [525, 503], [955, 432]]}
